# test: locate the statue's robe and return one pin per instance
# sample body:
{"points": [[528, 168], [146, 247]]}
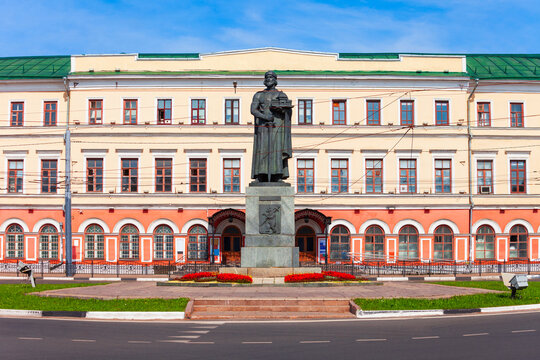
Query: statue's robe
{"points": [[271, 157]]}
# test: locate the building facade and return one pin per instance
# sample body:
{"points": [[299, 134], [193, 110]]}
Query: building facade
{"points": [[420, 157]]}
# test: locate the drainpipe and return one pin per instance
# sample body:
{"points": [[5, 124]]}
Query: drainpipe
{"points": [[469, 155], [67, 192]]}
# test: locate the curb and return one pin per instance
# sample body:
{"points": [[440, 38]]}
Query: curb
{"points": [[360, 314], [98, 315]]}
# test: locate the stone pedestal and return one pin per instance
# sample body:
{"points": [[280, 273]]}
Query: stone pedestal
{"points": [[269, 236]]}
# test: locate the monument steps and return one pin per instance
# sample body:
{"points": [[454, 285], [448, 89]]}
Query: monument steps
{"points": [[205, 309]]}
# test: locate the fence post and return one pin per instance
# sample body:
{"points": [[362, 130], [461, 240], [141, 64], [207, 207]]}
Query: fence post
{"points": [[455, 268], [169, 270], [91, 268], [378, 269], [41, 268], [429, 267], [504, 265], [529, 266], [117, 268]]}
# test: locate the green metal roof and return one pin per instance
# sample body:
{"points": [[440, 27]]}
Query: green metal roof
{"points": [[35, 67], [504, 66]]}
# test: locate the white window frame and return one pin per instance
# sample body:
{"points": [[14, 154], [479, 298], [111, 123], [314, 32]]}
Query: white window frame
{"points": [[94, 154], [128, 154], [408, 155], [347, 119], [434, 111], [297, 119], [306, 155], [374, 155], [485, 156], [230, 154], [443, 155], [156, 99], [16, 155], [223, 108], [518, 155]]}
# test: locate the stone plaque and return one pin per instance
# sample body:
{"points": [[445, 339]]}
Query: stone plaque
{"points": [[269, 219]]}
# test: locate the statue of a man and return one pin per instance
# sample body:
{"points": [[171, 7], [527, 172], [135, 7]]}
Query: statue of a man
{"points": [[272, 142]]}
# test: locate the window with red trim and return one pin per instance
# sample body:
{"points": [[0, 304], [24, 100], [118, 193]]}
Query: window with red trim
{"points": [[516, 114], [484, 114], [17, 114], [130, 112], [231, 175], [15, 176], [340, 175], [519, 237], [484, 176], [95, 112], [407, 176], [163, 175], [164, 112], [305, 108], [443, 243], [441, 113], [232, 111], [374, 247], [197, 175], [49, 170], [305, 180], [408, 243], [485, 243], [49, 113], [198, 111], [374, 175], [518, 177], [443, 175], [339, 112], [94, 175], [373, 108], [406, 112], [340, 243], [130, 175]]}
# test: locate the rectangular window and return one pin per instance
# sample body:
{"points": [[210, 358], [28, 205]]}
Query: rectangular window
{"points": [[17, 113], [443, 176], [198, 111], [163, 175], [374, 175], [484, 176], [340, 175], [95, 112], [373, 112], [232, 111], [49, 113], [516, 114], [441, 113], [94, 175], [197, 175], [15, 176], [518, 177], [339, 112], [407, 176], [130, 112], [407, 112], [49, 170], [305, 108], [305, 180], [231, 175], [164, 112], [130, 176], [484, 114]]}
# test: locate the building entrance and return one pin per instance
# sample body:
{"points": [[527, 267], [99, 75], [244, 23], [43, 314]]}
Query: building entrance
{"points": [[231, 244], [305, 241]]}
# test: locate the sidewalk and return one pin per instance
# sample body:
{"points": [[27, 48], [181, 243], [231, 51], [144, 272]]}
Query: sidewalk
{"points": [[133, 290]]}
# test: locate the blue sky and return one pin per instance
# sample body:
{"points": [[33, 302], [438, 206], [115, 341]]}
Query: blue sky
{"points": [[98, 26]]}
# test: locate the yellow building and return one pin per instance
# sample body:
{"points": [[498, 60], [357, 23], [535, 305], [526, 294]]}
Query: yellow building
{"points": [[419, 157]]}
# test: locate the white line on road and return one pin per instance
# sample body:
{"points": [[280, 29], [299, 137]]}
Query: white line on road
{"points": [[175, 341], [201, 342], [185, 336], [365, 340], [83, 340], [139, 342], [205, 327], [29, 338], [195, 331], [477, 334], [425, 337], [256, 342], [522, 331], [314, 341]]}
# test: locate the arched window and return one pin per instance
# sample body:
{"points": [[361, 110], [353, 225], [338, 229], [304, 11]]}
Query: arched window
{"points": [[518, 242], [48, 242], [15, 242], [442, 243], [163, 243], [485, 243], [129, 243], [340, 240], [374, 248], [197, 243], [94, 242], [408, 243]]}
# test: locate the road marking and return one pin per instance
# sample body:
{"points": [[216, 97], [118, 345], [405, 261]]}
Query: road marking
{"points": [[256, 342], [201, 342], [425, 337], [185, 336], [205, 327], [314, 341], [139, 342], [83, 340], [29, 338], [477, 334], [522, 331], [195, 331], [175, 341], [365, 340]]}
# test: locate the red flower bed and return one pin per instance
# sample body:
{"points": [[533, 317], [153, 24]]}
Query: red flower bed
{"points": [[304, 277], [236, 278], [202, 276], [325, 275], [334, 275]]}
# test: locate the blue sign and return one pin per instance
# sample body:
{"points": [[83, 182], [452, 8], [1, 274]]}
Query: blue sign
{"points": [[216, 252]]}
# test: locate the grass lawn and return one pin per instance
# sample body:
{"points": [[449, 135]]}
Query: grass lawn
{"points": [[12, 296], [531, 295]]}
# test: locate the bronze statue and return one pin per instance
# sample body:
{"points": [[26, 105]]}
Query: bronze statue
{"points": [[272, 141]]}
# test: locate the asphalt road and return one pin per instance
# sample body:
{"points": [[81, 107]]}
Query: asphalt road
{"points": [[508, 336]]}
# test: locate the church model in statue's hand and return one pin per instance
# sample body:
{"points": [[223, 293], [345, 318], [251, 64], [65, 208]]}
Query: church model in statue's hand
{"points": [[272, 140]]}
